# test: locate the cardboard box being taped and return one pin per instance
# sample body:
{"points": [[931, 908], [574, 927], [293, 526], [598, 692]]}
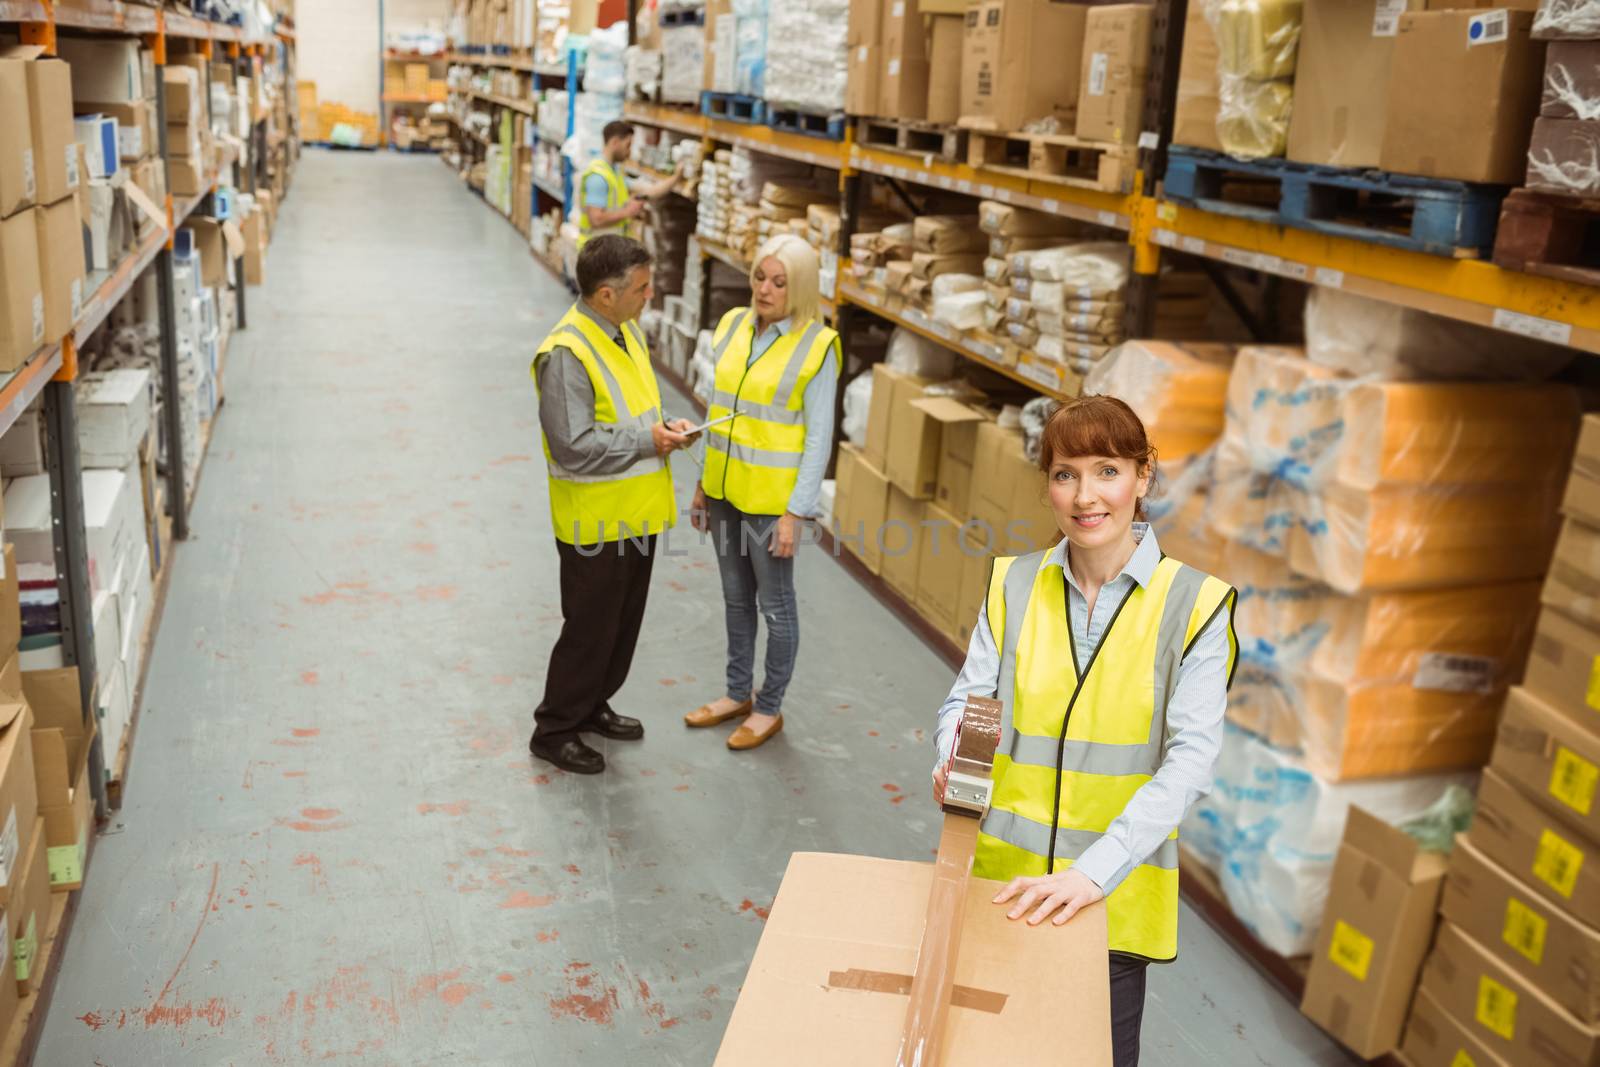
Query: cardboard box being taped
{"points": [[830, 977]]}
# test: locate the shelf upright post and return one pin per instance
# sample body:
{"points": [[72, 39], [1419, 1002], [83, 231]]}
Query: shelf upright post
{"points": [[166, 287], [572, 126], [1160, 106]]}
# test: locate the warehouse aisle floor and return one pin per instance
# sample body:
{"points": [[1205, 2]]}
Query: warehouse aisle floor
{"points": [[335, 847]]}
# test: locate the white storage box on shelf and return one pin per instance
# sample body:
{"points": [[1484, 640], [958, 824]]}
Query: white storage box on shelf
{"points": [[112, 514], [113, 416]]}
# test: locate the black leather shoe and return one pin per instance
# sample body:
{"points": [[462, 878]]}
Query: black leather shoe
{"points": [[570, 755], [608, 723]]}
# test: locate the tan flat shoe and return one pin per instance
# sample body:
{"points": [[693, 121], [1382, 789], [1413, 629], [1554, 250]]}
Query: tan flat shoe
{"points": [[704, 716], [746, 738]]}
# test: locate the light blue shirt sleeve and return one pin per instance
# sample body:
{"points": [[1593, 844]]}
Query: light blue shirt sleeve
{"points": [[980, 676], [595, 191], [818, 410]]}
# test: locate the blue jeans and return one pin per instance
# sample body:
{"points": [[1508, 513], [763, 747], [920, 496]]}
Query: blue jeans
{"points": [[752, 579]]}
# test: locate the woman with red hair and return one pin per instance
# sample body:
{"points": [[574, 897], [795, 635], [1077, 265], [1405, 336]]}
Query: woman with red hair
{"points": [[1112, 662]]}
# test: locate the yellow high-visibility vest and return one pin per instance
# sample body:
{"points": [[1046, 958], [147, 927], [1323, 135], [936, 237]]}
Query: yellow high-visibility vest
{"points": [[1085, 728], [753, 461], [589, 509], [617, 195]]}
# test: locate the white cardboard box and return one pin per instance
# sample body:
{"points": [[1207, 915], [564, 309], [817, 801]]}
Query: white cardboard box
{"points": [[113, 416], [105, 516]]}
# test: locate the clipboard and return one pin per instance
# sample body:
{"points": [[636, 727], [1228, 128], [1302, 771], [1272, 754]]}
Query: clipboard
{"points": [[714, 422]]}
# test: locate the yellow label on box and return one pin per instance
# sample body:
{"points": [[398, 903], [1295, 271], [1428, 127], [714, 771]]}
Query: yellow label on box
{"points": [[1462, 1059], [1525, 929], [1594, 684], [1572, 780], [1351, 950], [1557, 863], [1497, 1007], [25, 949]]}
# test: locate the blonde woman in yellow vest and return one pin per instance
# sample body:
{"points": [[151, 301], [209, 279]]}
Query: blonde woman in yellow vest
{"points": [[606, 443], [1113, 663], [607, 203], [777, 373]]}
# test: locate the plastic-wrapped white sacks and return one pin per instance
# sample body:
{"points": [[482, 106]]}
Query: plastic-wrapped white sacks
{"points": [[605, 68], [857, 402], [808, 70], [963, 310], [915, 354], [683, 50], [591, 113], [750, 62], [1270, 828]]}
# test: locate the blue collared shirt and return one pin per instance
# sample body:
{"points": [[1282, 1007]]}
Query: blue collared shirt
{"points": [[1194, 714], [818, 411]]}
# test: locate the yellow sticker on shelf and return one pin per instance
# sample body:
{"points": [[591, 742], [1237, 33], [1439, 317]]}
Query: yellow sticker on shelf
{"points": [[1351, 950], [1525, 929], [1573, 779], [1557, 863], [1463, 1059], [1497, 1007], [1594, 684]]}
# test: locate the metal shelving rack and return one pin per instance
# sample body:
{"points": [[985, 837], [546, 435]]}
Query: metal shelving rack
{"points": [[52, 370]]}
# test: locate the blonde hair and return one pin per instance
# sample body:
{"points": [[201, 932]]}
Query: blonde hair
{"points": [[800, 271]]}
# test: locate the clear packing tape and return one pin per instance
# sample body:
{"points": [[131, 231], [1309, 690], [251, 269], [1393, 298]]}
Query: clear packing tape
{"points": [[1253, 116], [1257, 44]]}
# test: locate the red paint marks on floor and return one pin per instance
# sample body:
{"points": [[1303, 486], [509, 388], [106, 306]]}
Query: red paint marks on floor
{"points": [[749, 905], [213, 1010], [437, 592], [321, 814], [572, 868], [654, 1008], [891, 787], [315, 821], [453, 995], [506, 460], [505, 977], [677, 586], [294, 774], [503, 679], [585, 1001], [547, 935], [93, 1020], [898, 799], [313, 864], [302, 731], [507, 850], [309, 678], [524, 899], [872, 733], [425, 548], [680, 788], [647, 773], [456, 807]]}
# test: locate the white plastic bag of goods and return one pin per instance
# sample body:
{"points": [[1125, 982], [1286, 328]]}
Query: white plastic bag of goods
{"points": [[950, 284], [1366, 337], [750, 50], [914, 354], [703, 367], [857, 402], [1269, 831], [808, 71], [683, 63], [963, 310], [1098, 264], [605, 68]]}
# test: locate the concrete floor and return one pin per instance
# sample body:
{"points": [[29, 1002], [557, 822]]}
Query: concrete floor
{"points": [[335, 847]]}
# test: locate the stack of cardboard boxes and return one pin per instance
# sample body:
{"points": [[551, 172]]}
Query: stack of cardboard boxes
{"points": [[1514, 975], [188, 133], [41, 243]]}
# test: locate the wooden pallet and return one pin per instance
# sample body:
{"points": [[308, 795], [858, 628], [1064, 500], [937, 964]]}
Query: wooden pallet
{"points": [[1432, 215], [1054, 157], [735, 107], [828, 127], [947, 143], [1556, 236]]}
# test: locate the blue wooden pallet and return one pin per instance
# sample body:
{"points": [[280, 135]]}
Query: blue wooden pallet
{"points": [[794, 120], [1432, 215], [736, 107]]}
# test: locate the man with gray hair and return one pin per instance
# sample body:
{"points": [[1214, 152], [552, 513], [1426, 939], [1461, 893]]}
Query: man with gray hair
{"points": [[606, 445]]}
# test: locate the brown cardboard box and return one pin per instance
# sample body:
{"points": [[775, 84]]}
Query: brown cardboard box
{"points": [[30, 911], [977, 563], [22, 313], [903, 83], [1552, 758], [10, 604], [1540, 941], [1341, 80], [255, 248], [55, 151], [1564, 668], [1542, 851], [1582, 499], [940, 570], [945, 35], [19, 804], [9, 1001], [187, 176], [1463, 93], [958, 444], [902, 542], [1116, 50], [826, 982], [912, 460], [1021, 62], [881, 412], [17, 183], [219, 244], [1195, 120], [182, 89], [61, 760], [61, 267], [859, 518], [1435, 1038], [1572, 586], [1516, 1020], [1374, 935], [865, 72], [132, 116], [1010, 497]]}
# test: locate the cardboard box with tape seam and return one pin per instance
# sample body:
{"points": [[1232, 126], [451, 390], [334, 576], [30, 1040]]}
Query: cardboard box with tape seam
{"points": [[1116, 51], [1582, 499], [1572, 586], [1341, 80], [1021, 62], [30, 912], [55, 152], [861, 502], [940, 570], [900, 541], [1552, 758], [17, 180], [1435, 1038], [1564, 667], [19, 805], [22, 304], [61, 758], [1542, 851]]}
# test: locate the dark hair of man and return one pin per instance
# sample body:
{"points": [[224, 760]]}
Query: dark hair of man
{"points": [[607, 260], [616, 128]]}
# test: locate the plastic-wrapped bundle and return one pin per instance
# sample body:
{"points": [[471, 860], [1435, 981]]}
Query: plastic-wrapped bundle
{"points": [[1101, 265], [1270, 828], [591, 113], [644, 73], [963, 310], [1178, 391], [683, 50], [857, 404], [750, 50], [808, 71], [914, 354], [1253, 116], [605, 67], [1567, 19], [1256, 39], [1368, 337], [951, 284]]}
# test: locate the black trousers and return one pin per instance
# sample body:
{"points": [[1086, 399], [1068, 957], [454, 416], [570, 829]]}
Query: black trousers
{"points": [[1127, 1008], [603, 591]]}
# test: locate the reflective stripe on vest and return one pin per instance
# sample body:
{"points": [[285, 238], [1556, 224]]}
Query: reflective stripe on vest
{"points": [[1097, 714], [594, 508], [753, 462], [617, 195]]}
